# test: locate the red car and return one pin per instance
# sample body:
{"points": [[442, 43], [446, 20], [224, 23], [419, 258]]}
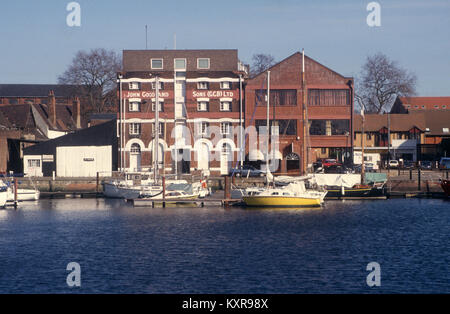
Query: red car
{"points": [[330, 162]]}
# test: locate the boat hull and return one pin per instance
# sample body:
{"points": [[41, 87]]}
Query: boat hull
{"points": [[24, 195], [445, 184], [3, 198], [114, 191], [356, 192], [273, 201]]}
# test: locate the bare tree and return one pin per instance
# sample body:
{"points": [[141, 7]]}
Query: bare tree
{"points": [[261, 62], [381, 81], [95, 72]]}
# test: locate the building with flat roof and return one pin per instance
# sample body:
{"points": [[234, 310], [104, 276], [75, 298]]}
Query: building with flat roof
{"points": [[200, 94]]}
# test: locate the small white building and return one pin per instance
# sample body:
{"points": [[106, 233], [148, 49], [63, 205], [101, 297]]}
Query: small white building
{"points": [[79, 154], [369, 158]]}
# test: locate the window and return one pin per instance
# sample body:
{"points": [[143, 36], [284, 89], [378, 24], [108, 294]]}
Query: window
{"points": [[135, 128], [445, 130], [161, 85], [134, 85], [203, 128], [135, 106], [202, 85], [202, 106], [278, 97], [225, 106], [225, 85], [180, 64], [341, 127], [160, 107], [225, 128], [34, 163], [329, 127], [161, 128], [226, 148], [135, 148], [323, 150], [328, 97], [203, 63], [282, 127], [157, 63]]}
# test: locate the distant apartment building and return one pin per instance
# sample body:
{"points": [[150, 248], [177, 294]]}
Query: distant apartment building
{"points": [[392, 136], [199, 106], [328, 110], [417, 104], [436, 114]]}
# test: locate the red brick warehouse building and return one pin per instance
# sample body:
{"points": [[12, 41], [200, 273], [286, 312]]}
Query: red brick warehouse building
{"points": [[199, 104], [329, 109]]}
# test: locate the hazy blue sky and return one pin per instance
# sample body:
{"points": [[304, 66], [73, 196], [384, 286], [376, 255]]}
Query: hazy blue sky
{"points": [[37, 45]]}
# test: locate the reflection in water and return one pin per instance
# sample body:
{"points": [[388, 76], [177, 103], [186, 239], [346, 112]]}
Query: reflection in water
{"points": [[122, 249]]}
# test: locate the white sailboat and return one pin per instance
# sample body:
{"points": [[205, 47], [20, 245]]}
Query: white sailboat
{"points": [[3, 196]]}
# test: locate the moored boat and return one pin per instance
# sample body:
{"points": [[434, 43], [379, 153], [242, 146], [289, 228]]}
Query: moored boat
{"points": [[445, 184], [3, 197], [293, 195]]}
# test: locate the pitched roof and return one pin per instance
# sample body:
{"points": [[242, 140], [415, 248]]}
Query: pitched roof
{"points": [[37, 90], [21, 116], [438, 122], [398, 122], [98, 135], [426, 103], [4, 123], [18, 116]]}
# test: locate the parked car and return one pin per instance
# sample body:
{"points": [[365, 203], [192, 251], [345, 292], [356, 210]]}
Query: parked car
{"points": [[330, 162], [408, 164], [425, 165], [245, 171], [393, 164], [335, 169]]}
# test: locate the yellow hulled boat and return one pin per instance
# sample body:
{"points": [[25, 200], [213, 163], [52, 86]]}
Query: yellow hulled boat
{"points": [[280, 201], [293, 195]]}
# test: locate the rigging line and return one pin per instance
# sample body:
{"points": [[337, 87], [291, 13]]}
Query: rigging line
{"points": [[258, 100]]}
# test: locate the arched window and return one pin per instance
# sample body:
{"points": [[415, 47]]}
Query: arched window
{"points": [[135, 148]]}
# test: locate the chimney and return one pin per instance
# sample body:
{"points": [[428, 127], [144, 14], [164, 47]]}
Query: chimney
{"points": [[76, 112], [51, 105]]}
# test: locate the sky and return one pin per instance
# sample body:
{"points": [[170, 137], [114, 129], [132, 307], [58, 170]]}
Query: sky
{"points": [[37, 45]]}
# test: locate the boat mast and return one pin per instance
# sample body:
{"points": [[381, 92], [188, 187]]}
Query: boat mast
{"points": [[156, 129], [304, 149], [120, 122], [362, 145], [268, 128]]}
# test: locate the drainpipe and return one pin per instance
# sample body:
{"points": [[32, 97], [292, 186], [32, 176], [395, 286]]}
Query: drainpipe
{"points": [[350, 86]]}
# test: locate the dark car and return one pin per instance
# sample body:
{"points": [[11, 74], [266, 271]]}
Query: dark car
{"points": [[246, 171], [425, 165], [408, 164], [334, 169]]}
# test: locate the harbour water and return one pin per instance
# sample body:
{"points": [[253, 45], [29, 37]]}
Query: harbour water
{"points": [[122, 249]]}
